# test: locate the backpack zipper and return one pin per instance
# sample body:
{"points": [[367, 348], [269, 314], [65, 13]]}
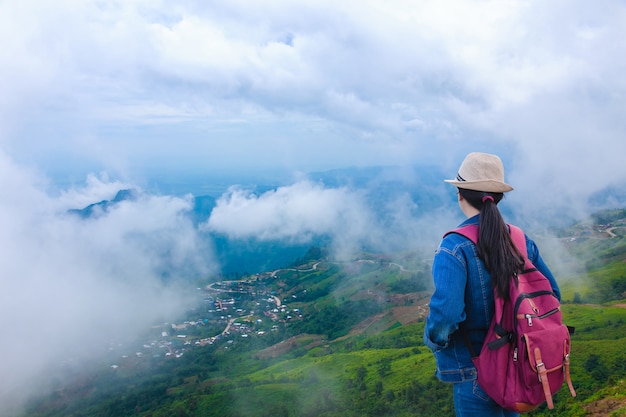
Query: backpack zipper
{"points": [[529, 296], [530, 317]]}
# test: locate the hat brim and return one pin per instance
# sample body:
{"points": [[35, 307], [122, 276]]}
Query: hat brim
{"points": [[488, 186]]}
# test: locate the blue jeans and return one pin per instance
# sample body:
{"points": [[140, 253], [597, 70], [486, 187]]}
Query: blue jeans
{"points": [[471, 401]]}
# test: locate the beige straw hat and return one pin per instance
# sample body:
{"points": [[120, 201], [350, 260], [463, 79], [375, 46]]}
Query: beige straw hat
{"points": [[481, 172]]}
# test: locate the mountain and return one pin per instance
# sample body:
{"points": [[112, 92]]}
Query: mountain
{"points": [[96, 209], [382, 187], [325, 338]]}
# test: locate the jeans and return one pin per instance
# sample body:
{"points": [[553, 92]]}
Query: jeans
{"points": [[471, 401]]}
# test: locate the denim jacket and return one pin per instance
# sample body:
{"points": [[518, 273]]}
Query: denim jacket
{"points": [[463, 295]]}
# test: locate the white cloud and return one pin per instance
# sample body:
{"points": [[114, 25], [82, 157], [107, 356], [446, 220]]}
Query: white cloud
{"points": [[304, 210], [296, 213], [223, 86], [84, 282]]}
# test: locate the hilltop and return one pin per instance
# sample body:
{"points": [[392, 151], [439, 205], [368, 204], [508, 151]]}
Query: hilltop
{"points": [[327, 338]]}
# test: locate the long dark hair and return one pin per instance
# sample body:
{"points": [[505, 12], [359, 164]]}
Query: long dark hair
{"points": [[495, 246]]}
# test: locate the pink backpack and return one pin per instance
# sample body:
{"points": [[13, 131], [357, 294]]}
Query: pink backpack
{"points": [[525, 356]]}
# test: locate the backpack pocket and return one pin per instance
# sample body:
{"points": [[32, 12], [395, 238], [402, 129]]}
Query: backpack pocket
{"points": [[544, 360]]}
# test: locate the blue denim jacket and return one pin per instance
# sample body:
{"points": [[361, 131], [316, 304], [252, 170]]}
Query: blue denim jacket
{"points": [[463, 295]]}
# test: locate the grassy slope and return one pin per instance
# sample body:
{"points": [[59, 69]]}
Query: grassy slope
{"points": [[329, 375]]}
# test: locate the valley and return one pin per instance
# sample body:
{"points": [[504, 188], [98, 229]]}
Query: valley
{"points": [[327, 338], [256, 306]]}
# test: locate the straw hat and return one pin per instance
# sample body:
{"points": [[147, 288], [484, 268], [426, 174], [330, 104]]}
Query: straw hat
{"points": [[481, 172]]}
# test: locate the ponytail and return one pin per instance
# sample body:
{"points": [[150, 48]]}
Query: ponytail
{"points": [[495, 246]]}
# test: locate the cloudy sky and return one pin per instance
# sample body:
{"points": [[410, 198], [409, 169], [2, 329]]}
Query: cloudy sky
{"points": [[141, 87], [98, 96]]}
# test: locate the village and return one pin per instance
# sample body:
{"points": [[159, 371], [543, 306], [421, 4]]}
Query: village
{"points": [[227, 310]]}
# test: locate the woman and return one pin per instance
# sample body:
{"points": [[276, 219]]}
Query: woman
{"points": [[465, 276]]}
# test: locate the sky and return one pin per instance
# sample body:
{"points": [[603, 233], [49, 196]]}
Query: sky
{"points": [[99, 96]]}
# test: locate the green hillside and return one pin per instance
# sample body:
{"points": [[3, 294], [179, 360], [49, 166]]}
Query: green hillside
{"points": [[325, 338]]}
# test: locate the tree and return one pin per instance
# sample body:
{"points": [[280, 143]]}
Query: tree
{"points": [[378, 388], [596, 368], [361, 373]]}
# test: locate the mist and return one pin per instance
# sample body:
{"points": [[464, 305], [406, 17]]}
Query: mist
{"points": [[70, 286], [350, 217], [87, 281]]}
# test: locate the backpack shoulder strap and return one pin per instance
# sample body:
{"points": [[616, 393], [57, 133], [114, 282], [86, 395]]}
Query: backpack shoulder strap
{"points": [[470, 231], [519, 239]]}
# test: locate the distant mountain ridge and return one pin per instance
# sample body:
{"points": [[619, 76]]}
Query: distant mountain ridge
{"points": [[381, 186], [100, 207]]}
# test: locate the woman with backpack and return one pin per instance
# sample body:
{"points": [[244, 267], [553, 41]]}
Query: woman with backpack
{"points": [[465, 276]]}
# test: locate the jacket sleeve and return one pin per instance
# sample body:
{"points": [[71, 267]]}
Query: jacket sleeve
{"points": [[447, 304]]}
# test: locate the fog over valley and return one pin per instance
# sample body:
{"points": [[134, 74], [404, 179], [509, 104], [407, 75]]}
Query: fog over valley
{"points": [[123, 266]]}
